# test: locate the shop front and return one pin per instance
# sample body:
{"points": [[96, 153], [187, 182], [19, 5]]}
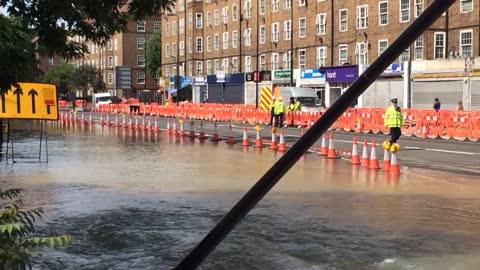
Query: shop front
{"points": [[226, 88], [314, 79], [200, 90], [337, 81], [283, 78], [185, 93]]}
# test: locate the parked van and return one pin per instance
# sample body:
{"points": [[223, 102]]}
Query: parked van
{"points": [[101, 99], [306, 96]]}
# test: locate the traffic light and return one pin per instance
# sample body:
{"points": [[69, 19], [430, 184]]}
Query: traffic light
{"points": [[257, 76]]}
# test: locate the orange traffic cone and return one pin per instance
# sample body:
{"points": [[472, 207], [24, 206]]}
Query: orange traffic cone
{"points": [[169, 130], [424, 132], [331, 149], [143, 126], [365, 159], [90, 119], [355, 157], [273, 144], [324, 150], [258, 140], [124, 123], [156, 129], [149, 125], [201, 135], [230, 139], [394, 166], [373, 157], [281, 146], [192, 130], [182, 131], [116, 121], [215, 136], [386, 160], [245, 141], [174, 129], [83, 119], [108, 120]]}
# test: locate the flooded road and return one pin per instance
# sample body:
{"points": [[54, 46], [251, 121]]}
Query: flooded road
{"points": [[139, 201]]}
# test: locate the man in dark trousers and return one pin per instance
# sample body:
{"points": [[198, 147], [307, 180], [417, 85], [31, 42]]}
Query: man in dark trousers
{"points": [[393, 120], [272, 111]]}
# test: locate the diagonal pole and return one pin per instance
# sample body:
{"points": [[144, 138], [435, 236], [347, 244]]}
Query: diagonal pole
{"points": [[283, 165]]}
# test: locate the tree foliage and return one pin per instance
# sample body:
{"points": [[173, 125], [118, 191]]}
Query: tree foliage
{"points": [[154, 55], [17, 232], [62, 76], [88, 77], [94, 20]]}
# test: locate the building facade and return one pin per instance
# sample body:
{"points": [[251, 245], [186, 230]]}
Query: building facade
{"points": [[228, 35], [125, 49]]}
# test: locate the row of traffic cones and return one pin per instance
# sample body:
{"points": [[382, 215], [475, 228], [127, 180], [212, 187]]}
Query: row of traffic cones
{"points": [[370, 161]]}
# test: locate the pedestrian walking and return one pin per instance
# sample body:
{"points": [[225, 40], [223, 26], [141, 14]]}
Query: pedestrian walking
{"points": [[394, 121], [272, 110], [279, 111], [436, 104], [459, 106]]}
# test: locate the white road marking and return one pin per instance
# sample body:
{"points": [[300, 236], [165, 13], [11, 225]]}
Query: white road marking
{"points": [[452, 152]]}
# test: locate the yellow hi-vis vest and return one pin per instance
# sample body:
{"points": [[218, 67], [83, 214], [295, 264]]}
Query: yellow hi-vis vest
{"points": [[298, 106], [279, 108], [393, 117]]}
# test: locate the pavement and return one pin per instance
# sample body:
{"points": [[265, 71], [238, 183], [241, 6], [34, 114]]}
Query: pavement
{"points": [[435, 154]]}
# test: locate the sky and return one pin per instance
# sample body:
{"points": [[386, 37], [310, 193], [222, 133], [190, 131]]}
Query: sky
{"points": [[3, 11]]}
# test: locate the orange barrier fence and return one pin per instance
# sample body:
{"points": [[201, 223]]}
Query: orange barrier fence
{"points": [[445, 124]]}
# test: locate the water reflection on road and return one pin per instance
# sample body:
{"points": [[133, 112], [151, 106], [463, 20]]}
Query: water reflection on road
{"points": [[134, 200]]}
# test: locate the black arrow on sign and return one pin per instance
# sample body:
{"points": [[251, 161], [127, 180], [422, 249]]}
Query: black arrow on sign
{"points": [[33, 93], [3, 102], [48, 109], [18, 92]]}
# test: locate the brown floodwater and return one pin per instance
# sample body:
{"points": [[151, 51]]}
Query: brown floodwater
{"points": [[135, 200]]}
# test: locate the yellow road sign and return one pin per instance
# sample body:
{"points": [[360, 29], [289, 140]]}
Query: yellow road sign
{"points": [[30, 101]]}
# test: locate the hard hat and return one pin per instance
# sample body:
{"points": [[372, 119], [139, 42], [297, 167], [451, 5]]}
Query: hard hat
{"points": [[280, 98]]}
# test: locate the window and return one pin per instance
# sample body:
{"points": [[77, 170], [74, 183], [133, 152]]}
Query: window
{"points": [[167, 71], [287, 4], [302, 59], [209, 67], [466, 6], [167, 30], [190, 20], [199, 68], [343, 20], [174, 49], [263, 64], [190, 69], [302, 3], [419, 48], [342, 54], [262, 34], [418, 7], [275, 5], [216, 41], [466, 47], [321, 60], [321, 24], [110, 78], [439, 47], [382, 46], [287, 28], [140, 77], [248, 9], [362, 17], [404, 10], [141, 26], [110, 61], [181, 26], [181, 5], [263, 8], [109, 45], [199, 20], [225, 65], [247, 37], [115, 44], [234, 13], [157, 26], [275, 32], [140, 43], [234, 39], [225, 40], [181, 47], [209, 43], [248, 64], [209, 19], [157, 78], [383, 13], [287, 56], [199, 44], [174, 28], [225, 15], [216, 17], [303, 27], [274, 59], [141, 60], [361, 53], [405, 56], [167, 50], [190, 45], [234, 65]]}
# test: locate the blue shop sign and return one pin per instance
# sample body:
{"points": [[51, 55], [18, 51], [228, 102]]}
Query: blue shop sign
{"points": [[393, 68], [229, 78], [184, 81], [312, 73]]}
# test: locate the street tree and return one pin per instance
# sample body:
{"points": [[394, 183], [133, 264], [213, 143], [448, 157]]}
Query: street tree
{"points": [[154, 55], [88, 77], [55, 23], [62, 76]]}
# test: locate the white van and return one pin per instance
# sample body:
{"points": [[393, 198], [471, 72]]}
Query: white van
{"points": [[307, 97], [101, 99]]}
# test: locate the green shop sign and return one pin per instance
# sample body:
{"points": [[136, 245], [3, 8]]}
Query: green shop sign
{"points": [[282, 74]]}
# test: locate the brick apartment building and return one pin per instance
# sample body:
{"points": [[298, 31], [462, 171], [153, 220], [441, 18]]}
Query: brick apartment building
{"points": [[222, 35], [125, 49]]}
